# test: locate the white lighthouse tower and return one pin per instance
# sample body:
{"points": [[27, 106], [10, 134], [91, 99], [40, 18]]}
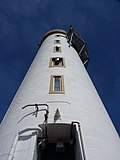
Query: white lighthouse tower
{"points": [[57, 113]]}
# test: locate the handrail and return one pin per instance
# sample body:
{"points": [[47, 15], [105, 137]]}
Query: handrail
{"points": [[11, 154], [33, 113], [13, 147], [37, 110], [37, 107], [31, 129], [41, 104], [78, 127]]}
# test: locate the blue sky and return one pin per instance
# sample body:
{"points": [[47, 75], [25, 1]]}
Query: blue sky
{"points": [[23, 24]]}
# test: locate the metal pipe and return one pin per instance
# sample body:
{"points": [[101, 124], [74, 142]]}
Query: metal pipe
{"points": [[31, 129], [82, 49], [41, 104], [81, 139], [82, 143], [13, 147]]}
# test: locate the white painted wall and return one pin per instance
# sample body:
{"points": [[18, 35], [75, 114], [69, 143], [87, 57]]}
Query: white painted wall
{"points": [[79, 103]]}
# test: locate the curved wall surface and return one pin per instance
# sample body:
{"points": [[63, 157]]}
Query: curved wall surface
{"points": [[79, 101]]}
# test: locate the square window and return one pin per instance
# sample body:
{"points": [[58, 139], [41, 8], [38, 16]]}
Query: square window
{"points": [[57, 84], [57, 62], [57, 49], [57, 41]]}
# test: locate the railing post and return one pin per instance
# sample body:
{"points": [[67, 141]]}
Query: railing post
{"points": [[78, 128]]}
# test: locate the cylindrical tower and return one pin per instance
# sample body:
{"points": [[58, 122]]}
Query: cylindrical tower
{"points": [[57, 111]]}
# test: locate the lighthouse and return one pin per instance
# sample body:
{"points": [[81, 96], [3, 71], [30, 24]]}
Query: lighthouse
{"points": [[57, 112]]}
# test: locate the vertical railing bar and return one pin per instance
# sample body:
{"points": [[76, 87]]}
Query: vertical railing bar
{"points": [[82, 143], [81, 139]]}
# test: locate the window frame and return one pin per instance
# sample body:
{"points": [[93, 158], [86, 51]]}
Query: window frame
{"points": [[52, 90], [52, 65], [57, 41], [55, 50]]}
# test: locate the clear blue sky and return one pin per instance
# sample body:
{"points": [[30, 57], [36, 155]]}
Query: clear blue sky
{"points": [[23, 24]]}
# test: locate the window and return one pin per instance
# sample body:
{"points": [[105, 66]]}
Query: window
{"points": [[57, 62], [57, 84], [57, 42], [57, 35], [57, 49]]}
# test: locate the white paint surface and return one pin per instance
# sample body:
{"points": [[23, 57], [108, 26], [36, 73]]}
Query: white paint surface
{"points": [[79, 103]]}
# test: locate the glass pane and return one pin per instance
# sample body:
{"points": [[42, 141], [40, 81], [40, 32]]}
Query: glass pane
{"points": [[57, 83]]}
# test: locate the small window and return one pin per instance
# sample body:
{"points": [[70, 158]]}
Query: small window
{"points": [[57, 49], [57, 42], [57, 62], [57, 84], [57, 35]]}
